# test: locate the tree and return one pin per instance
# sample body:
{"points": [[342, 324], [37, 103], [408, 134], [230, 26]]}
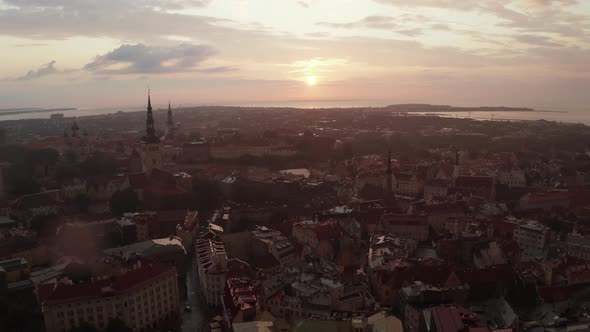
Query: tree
{"points": [[98, 165], [20, 180], [124, 201]]}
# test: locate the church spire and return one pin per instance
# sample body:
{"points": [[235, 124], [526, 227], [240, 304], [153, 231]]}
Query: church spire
{"points": [[389, 175], [150, 129], [170, 121]]}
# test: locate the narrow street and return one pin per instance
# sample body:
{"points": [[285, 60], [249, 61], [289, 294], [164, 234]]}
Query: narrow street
{"points": [[197, 319]]}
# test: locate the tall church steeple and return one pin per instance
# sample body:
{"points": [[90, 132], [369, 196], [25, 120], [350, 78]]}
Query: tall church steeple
{"points": [[389, 175], [150, 129], [170, 122], [150, 155]]}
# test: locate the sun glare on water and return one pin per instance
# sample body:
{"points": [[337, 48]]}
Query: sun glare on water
{"points": [[311, 81]]}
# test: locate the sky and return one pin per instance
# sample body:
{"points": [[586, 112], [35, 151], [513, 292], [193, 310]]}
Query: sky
{"points": [[107, 53]]}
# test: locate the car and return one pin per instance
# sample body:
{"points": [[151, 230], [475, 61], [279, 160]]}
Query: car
{"points": [[187, 308]]}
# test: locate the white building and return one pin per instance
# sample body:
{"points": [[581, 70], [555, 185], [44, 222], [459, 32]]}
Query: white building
{"points": [[143, 297], [532, 238], [233, 151], [212, 266], [512, 179]]}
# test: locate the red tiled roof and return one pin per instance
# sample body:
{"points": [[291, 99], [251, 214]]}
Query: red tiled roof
{"points": [[442, 208], [407, 219], [138, 180], [474, 181], [47, 198], [172, 215], [163, 177], [158, 182], [327, 231], [557, 294], [489, 275], [405, 176], [97, 289], [546, 196], [453, 318]]}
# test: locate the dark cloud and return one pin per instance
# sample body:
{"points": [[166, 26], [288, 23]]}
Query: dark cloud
{"points": [[215, 70], [143, 59], [537, 40], [46, 69], [129, 20]]}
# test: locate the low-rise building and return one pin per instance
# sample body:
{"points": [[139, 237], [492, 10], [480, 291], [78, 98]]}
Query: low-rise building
{"points": [[167, 250], [269, 241]]}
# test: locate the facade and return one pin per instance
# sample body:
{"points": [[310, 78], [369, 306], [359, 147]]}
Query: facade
{"points": [[438, 214], [144, 297], [406, 226], [533, 239], [513, 179], [318, 238], [436, 188], [480, 186], [235, 151], [409, 184], [187, 230], [418, 296], [578, 246], [212, 266]]}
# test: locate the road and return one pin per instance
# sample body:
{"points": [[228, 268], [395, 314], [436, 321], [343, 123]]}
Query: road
{"points": [[197, 319]]}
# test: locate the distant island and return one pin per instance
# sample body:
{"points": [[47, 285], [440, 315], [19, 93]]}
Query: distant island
{"points": [[448, 108], [14, 111]]}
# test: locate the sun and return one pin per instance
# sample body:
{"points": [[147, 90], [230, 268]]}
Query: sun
{"points": [[311, 80]]}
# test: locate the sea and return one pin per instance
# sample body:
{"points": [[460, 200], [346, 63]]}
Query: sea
{"points": [[572, 116]]}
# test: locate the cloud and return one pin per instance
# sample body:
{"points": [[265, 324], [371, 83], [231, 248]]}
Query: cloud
{"points": [[411, 32], [303, 4], [372, 22], [531, 16], [215, 70], [537, 40], [46, 69], [440, 26], [143, 59], [127, 20], [447, 4]]}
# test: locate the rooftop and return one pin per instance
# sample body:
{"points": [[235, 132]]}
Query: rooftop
{"points": [[148, 248], [60, 293]]}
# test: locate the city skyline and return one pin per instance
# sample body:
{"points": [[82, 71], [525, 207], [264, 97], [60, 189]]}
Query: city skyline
{"points": [[511, 52]]}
